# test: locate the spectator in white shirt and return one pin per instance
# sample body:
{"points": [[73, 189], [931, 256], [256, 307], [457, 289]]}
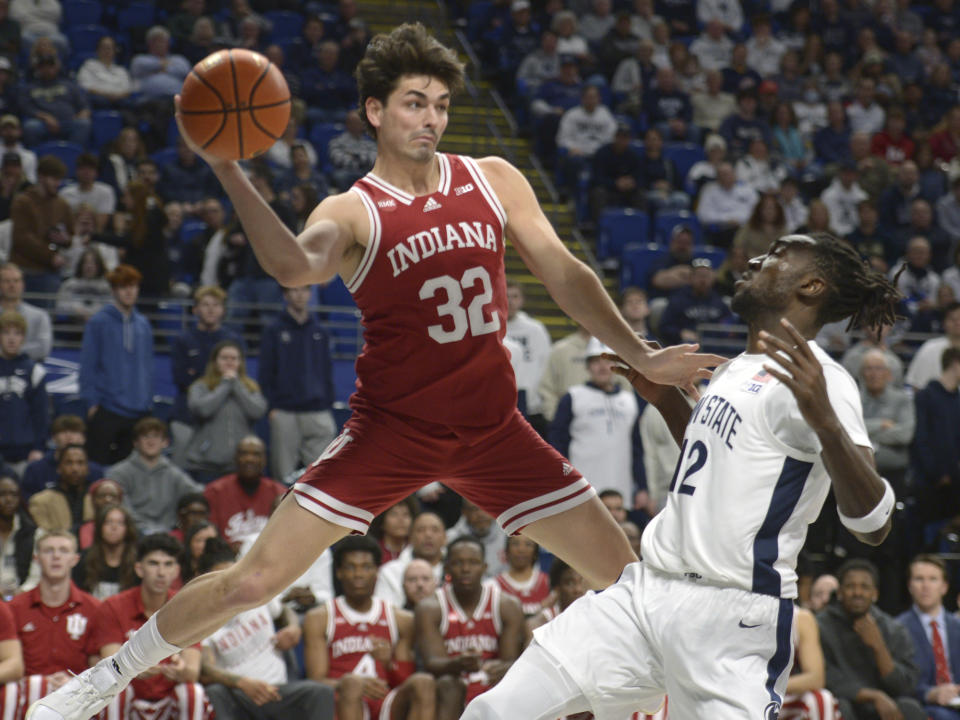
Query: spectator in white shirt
{"points": [[727, 12], [758, 170], [643, 19], [725, 203], [105, 82], [764, 51], [583, 130], [865, 113], [569, 42], [842, 199], [87, 190], [534, 342], [596, 24], [10, 133], [713, 48], [540, 65], [40, 18]]}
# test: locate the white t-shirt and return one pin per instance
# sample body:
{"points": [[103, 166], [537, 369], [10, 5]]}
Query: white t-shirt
{"points": [[244, 646], [100, 197], [750, 479], [925, 365], [534, 341]]}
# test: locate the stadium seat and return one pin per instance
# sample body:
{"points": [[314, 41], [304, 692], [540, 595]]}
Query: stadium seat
{"points": [[635, 263], [68, 152], [164, 156], [285, 25], [476, 17], [136, 15], [665, 222], [81, 12], [106, 124], [320, 136], [84, 38], [619, 227], [684, 156]]}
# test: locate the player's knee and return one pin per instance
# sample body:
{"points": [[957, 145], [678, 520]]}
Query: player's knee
{"points": [[451, 690], [423, 686], [350, 688], [245, 587]]}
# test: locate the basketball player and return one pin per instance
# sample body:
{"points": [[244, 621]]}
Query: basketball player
{"points": [[522, 578], [363, 646], [707, 616], [469, 632], [566, 585], [419, 241]]}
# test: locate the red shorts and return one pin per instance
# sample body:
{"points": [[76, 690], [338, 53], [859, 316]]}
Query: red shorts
{"points": [[379, 459], [379, 709]]}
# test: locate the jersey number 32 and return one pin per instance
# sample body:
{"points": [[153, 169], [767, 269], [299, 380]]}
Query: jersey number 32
{"points": [[473, 317]]}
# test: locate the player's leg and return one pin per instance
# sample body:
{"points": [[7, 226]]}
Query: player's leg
{"points": [[535, 688], [451, 692], [415, 699], [350, 697]]}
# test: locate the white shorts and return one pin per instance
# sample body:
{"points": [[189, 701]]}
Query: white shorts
{"points": [[719, 653]]}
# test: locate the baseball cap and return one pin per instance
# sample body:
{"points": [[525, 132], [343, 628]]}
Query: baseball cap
{"points": [[624, 128], [519, 5], [9, 120], [767, 87], [595, 348], [5, 63], [681, 228]]}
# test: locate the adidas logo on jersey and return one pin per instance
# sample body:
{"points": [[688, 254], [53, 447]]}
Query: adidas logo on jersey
{"points": [[567, 469], [29, 627], [463, 189], [431, 204]]}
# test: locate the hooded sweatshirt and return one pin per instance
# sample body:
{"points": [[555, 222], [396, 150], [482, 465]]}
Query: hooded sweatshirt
{"points": [[116, 362]]}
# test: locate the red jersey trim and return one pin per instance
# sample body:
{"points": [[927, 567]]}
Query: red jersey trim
{"points": [[521, 515], [485, 189], [329, 508], [373, 242]]}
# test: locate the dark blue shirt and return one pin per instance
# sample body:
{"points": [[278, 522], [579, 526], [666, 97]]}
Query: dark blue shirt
{"points": [[296, 371], [23, 407]]}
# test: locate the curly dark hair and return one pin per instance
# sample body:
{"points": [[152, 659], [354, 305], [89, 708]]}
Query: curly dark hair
{"points": [[856, 290], [407, 50]]}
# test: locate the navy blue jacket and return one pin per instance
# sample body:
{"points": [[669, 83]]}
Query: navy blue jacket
{"points": [[116, 362], [684, 310], [923, 650], [662, 106], [23, 407], [296, 371], [740, 132], [188, 361], [609, 165], [936, 442], [188, 184], [42, 474], [831, 146]]}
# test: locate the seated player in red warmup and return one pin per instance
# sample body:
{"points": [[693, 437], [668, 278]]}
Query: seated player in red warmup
{"points": [[469, 632], [363, 646], [56, 624], [567, 585], [523, 578], [171, 689]]}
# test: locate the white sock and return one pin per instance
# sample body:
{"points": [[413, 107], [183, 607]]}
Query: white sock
{"points": [[142, 651]]}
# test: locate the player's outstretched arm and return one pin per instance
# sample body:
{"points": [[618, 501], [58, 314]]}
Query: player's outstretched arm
{"points": [[859, 490], [577, 289], [315, 255]]}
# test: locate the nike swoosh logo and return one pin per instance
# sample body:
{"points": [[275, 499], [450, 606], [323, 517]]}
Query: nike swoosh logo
{"points": [[748, 627]]}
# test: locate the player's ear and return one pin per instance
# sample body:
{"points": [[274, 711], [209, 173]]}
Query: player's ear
{"points": [[374, 110], [813, 287]]}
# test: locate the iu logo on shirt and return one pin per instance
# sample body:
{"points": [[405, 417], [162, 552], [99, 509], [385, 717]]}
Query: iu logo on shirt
{"points": [[76, 626]]}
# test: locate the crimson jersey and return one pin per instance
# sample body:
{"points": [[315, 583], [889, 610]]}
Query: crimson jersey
{"points": [[350, 637], [8, 623], [531, 593], [480, 631], [56, 638], [237, 513], [432, 290]]}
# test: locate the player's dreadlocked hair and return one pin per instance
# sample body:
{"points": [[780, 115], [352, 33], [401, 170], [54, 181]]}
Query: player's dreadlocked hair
{"points": [[856, 290]]}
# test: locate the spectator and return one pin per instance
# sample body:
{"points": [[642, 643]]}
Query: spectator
{"points": [[703, 171], [689, 306], [303, 172], [760, 171], [301, 50], [202, 254], [532, 336], [194, 544], [668, 108], [948, 211], [23, 396], [39, 338], [428, 538], [87, 292], [151, 484], [479, 525], [789, 144], [144, 232], [869, 238], [869, 655], [553, 99], [712, 47], [565, 368], [673, 269], [793, 205], [865, 113], [922, 224], [935, 453], [42, 474], [569, 41], [806, 695], [42, 225], [618, 45], [818, 218], [66, 505], [727, 204], [540, 65], [303, 201], [116, 369], [296, 374], [107, 566], [181, 24], [891, 143], [19, 571], [732, 269], [918, 283], [192, 509], [203, 41], [712, 104], [738, 75], [454, 647], [352, 153], [341, 658], [933, 176], [12, 183], [172, 690], [767, 223], [566, 585], [102, 493], [595, 24], [946, 142], [831, 144], [88, 190], [936, 636], [281, 152], [583, 130], [39, 19], [660, 176], [842, 199], [120, 164], [635, 310], [741, 128], [852, 360], [241, 502], [243, 668], [764, 51], [54, 107], [522, 578], [391, 528], [107, 84], [10, 134], [633, 76], [157, 73], [595, 426], [186, 180], [418, 582], [823, 591], [925, 365], [327, 90], [10, 33], [889, 414], [896, 200], [225, 403]]}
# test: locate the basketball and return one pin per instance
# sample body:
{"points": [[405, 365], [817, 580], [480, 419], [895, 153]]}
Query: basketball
{"points": [[235, 104]]}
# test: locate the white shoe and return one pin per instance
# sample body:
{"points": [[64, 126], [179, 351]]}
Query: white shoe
{"points": [[82, 697]]}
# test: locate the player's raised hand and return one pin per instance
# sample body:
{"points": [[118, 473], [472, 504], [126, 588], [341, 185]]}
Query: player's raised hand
{"points": [[211, 160], [679, 365], [798, 368]]}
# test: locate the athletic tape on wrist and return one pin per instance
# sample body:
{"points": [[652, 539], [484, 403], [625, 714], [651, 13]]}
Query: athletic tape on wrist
{"points": [[876, 518]]}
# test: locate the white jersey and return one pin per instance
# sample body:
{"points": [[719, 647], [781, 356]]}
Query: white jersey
{"points": [[749, 480]]}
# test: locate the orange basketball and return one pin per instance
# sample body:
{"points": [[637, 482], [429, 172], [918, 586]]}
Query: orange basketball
{"points": [[235, 104]]}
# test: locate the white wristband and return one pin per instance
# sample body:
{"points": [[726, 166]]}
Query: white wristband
{"points": [[876, 518]]}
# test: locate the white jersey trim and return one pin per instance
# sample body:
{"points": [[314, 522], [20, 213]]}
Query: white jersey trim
{"points": [[329, 508], [495, 606], [373, 242], [390, 613], [354, 617], [485, 189], [519, 516], [524, 586], [445, 174], [391, 190], [444, 610]]}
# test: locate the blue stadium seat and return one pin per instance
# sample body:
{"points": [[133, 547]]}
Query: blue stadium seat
{"points": [[285, 25], [320, 136], [336, 293], [136, 15], [617, 228], [684, 156], [68, 152], [476, 16], [77, 59], [84, 38], [635, 263], [164, 156], [81, 12], [664, 223], [107, 124]]}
